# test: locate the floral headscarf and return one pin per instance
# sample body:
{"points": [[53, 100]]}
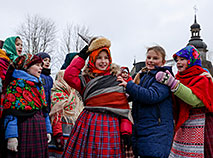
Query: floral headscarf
{"points": [[191, 54], [64, 100], [9, 47], [23, 62], [92, 59]]}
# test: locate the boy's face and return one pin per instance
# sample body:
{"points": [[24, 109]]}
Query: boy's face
{"points": [[181, 64], [18, 45], [154, 59], [102, 61], [46, 62], [35, 69]]}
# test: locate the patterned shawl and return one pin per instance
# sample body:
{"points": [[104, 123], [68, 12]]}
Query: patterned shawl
{"points": [[103, 93], [191, 54], [64, 100], [23, 95]]}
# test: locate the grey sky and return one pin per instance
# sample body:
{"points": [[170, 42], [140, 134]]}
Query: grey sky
{"points": [[131, 25]]}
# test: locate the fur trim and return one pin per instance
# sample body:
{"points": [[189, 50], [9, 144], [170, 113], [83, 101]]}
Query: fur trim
{"points": [[99, 43], [114, 70]]}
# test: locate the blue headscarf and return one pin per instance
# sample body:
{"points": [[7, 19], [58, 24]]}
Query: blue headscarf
{"points": [[191, 54]]}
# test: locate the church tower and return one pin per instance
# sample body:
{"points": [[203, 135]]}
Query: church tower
{"points": [[198, 43]]}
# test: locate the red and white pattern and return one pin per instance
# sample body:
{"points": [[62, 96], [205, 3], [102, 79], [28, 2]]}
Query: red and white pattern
{"points": [[189, 139]]}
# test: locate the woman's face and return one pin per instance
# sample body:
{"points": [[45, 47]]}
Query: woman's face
{"points": [[181, 64], [154, 59], [18, 45], [46, 62], [35, 69], [102, 61]]}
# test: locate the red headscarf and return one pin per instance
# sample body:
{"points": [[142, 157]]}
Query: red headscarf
{"points": [[92, 59], [123, 68]]}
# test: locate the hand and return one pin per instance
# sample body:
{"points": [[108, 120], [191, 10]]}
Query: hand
{"points": [[83, 53], [127, 140], [120, 79], [167, 79], [48, 137], [59, 141], [12, 144], [208, 75]]}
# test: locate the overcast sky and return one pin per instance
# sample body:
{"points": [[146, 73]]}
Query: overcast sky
{"points": [[131, 25]]}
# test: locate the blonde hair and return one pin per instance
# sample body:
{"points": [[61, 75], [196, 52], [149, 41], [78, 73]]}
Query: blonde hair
{"points": [[157, 49]]}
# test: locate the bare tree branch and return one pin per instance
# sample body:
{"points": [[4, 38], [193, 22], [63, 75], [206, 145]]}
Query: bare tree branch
{"points": [[38, 34]]}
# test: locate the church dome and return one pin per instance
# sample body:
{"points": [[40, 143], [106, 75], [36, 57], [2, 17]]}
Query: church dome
{"points": [[198, 43], [195, 26]]}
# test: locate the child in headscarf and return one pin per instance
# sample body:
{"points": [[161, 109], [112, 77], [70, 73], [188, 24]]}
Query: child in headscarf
{"points": [[96, 132], [26, 119], [125, 74], [65, 108], [12, 48], [194, 117], [47, 80]]}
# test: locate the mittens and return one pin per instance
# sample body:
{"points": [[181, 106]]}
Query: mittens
{"points": [[59, 141], [12, 144], [83, 53], [167, 79]]}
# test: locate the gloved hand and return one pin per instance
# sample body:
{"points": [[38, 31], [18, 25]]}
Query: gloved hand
{"points": [[83, 53], [48, 137], [12, 144], [167, 79], [59, 141], [127, 140]]}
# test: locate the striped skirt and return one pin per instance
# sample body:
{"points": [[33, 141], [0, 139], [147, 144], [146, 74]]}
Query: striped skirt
{"points": [[94, 135], [32, 137], [189, 139]]}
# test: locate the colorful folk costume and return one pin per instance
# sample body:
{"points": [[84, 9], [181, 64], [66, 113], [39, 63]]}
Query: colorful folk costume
{"points": [[194, 117], [65, 108], [7, 54], [97, 130], [25, 110]]}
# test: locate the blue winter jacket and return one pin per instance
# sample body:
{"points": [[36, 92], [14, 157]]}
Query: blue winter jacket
{"points": [[153, 116], [10, 121], [47, 82]]}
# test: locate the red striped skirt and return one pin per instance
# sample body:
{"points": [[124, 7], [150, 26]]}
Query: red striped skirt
{"points": [[189, 139], [94, 135]]}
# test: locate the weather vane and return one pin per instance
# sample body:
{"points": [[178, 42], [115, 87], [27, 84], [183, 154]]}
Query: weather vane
{"points": [[195, 8]]}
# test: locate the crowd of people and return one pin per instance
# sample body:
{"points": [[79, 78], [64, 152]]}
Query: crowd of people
{"points": [[85, 111]]}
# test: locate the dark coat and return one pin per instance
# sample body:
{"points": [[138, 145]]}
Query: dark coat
{"points": [[153, 116], [47, 82]]}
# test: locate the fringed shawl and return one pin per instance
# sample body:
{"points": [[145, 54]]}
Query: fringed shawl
{"points": [[64, 100]]}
